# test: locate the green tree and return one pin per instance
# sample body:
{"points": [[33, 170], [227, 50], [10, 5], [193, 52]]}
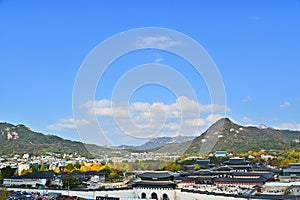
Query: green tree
{"points": [[35, 168], [42, 168], [3, 194], [106, 170], [70, 166], [7, 172], [174, 167], [197, 167], [68, 182], [77, 165]]}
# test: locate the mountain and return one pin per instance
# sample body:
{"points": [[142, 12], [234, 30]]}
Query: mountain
{"points": [[20, 139], [158, 142], [229, 136], [173, 148], [222, 135]]}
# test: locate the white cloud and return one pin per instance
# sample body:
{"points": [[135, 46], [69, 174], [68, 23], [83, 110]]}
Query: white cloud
{"points": [[172, 126], [159, 41], [182, 106], [67, 123], [247, 99], [202, 122], [143, 118], [284, 105], [247, 120], [158, 60], [213, 118], [195, 122], [288, 125]]}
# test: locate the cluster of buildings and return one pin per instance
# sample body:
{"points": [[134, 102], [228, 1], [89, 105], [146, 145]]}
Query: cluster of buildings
{"points": [[233, 177], [54, 160], [93, 179], [49, 160], [138, 156], [234, 172]]}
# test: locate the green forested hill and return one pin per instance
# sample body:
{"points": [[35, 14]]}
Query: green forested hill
{"points": [[20, 139], [236, 138], [230, 137]]}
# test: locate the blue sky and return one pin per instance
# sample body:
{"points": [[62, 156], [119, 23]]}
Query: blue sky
{"points": [[254, 44]]}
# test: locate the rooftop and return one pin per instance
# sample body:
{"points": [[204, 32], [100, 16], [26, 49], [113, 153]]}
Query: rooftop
{"points": [[247, 180], [203, 162], [155, 184], [36, 175], [221, 152], [156, 175], [224, 168], [198, 173], [236, 161], [295, 165]]}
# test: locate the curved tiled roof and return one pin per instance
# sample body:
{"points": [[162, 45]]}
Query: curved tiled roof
{"points": [[224, 168], [156, 175], [154, 184]]}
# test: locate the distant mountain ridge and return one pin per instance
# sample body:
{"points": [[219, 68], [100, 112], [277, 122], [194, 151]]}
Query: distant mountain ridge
{"points": [[236, 138], [230, 137], [19, 139], [157, 142]]}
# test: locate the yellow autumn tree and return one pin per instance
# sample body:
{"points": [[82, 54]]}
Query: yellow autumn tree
{"points": [[95, 167], [56, 170], [86, 167], [286, 162]]}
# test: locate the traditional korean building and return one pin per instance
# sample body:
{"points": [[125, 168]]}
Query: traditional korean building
{"points": [[224, 176], [195, 177], [238, 164], [291, 173], [261, 169], [243, 179], [204, 163], [155, 185], [221, 153], [292, 170], [223, 171]]}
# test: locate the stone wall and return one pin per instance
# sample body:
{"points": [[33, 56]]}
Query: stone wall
{"points": [[134, 194]]}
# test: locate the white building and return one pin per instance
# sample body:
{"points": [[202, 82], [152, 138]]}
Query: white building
{"points": [[22, 167], [281, 188]]}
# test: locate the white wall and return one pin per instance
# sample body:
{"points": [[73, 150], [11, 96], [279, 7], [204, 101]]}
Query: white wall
{"points": [[20, 182], [135, 193], [170, 192]]}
